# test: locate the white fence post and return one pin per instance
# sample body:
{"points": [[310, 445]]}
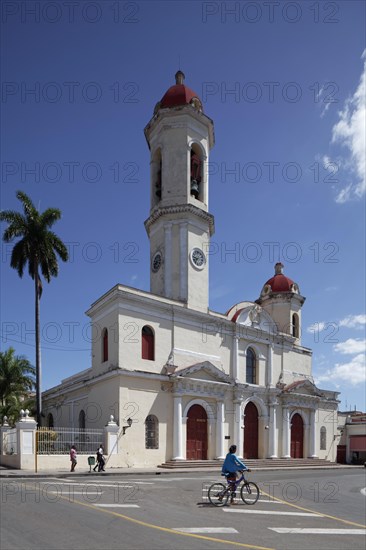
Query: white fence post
{"points": [[26, 431], [111, 437]]}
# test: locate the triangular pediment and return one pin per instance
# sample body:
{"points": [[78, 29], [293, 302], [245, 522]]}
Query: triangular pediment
{"points": [[203, 371], [303, 387]]}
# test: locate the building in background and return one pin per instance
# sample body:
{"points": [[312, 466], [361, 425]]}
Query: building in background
{"points": [[193, 381]]}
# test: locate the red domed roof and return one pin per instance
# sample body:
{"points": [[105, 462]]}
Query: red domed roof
{"points": [[280, 283], [179, 94]]}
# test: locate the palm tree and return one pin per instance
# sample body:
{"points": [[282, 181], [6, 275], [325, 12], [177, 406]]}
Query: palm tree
{"points": [[16, 381], [37, 247]]}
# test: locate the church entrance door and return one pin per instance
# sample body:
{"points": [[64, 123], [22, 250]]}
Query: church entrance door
{"points": [[297, 436], [251, 431], [197, 433]]}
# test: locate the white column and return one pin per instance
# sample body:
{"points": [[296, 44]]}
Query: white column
{"points": [[270, 365], [183, 267], [286, 433], [312, 436], [273, 430], [220, 451], [236, 358], [177, 428], [238, 429], [168, 260]]}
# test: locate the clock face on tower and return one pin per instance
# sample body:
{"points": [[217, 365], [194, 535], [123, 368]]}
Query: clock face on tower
{"points": [[198, 258], [156, 262]]}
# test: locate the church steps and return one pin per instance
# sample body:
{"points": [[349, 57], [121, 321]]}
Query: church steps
{"points": [[251, 463]]}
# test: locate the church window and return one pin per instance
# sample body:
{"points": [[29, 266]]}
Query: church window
{"points": [[323, 438], [151, 432], [82, 420], [148, 343], [251, 367], [50, 423], [157, 177], [196, 173], [104, 345], [295, 325]]}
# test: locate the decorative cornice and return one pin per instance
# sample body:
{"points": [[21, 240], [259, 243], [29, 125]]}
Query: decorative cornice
{"points": [[180, 209]]}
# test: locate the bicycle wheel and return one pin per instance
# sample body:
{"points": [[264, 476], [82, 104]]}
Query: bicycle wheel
{"points": [[249, 492], [218, 494]]}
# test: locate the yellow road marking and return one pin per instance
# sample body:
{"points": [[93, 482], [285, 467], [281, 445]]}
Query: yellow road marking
{"points": [[167, 529], [314, 511]]}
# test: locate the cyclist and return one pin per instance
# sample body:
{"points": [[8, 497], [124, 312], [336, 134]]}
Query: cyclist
{"points": [[232, 464]]}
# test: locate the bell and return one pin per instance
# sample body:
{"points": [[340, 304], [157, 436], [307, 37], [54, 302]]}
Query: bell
{"points": [[195, 191]]}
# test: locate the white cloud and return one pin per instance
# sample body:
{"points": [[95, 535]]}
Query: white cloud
{"points": [[351, 346], [349, 131], [353, 321], [353, 373], [316, 327]]}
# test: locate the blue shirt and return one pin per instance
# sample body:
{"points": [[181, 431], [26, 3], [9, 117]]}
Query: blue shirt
{"points": [[232, 464]]}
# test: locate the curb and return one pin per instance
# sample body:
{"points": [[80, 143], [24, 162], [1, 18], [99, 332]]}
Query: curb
{"points": [[61, 475]]}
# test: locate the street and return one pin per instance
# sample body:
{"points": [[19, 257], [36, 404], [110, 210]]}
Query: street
{"points": [[297, 510]]}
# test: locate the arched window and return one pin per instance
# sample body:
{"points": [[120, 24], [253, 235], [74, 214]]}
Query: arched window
{"points": [[104, 345], [295, 325], [148, 344], [50, 420], [151, 432], [82, 420], [156, 177], [196, 172], [251, 367], [323, 438]]}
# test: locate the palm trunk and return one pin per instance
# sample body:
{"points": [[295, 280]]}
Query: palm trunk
{"points": [[38, 352]]}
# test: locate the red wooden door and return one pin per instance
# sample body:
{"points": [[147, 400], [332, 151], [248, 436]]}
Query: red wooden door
{"points": [[197, 433], [251, 431], [297, 437], [341, 454]]}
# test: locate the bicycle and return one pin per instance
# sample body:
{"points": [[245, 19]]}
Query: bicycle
{"points": [[218, 493]]}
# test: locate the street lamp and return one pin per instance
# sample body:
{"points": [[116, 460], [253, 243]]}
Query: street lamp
{"points": [[124, 428]]}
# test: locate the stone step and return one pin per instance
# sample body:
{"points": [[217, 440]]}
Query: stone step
{"points": [[250, 463]]}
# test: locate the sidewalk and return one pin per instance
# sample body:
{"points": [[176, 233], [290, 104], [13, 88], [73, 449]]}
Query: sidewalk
{"points": [[83, 472]]}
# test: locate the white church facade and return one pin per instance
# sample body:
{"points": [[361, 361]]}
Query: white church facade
{"points": [[191, 380]]}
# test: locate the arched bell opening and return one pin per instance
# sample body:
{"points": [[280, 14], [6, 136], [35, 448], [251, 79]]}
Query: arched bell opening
{"points": [[196, 180], [156, 177]]}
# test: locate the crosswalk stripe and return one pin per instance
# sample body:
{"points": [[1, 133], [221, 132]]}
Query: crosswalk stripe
{"points": [[117, 505], [271, 513], [315, 531], [205, 529], [86, 493]]}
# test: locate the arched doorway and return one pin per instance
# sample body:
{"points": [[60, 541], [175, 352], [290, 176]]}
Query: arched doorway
{"points": [[196, 433], [250, 431], [297, 436]]}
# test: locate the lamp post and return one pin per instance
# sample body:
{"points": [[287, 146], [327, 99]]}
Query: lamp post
{"points": [[124, 428]]}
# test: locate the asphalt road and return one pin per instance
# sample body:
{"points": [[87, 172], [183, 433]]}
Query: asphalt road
{"points": [[171, 511]]}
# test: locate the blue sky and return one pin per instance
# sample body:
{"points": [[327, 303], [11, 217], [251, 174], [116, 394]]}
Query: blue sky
{"points": [[284, 83]]}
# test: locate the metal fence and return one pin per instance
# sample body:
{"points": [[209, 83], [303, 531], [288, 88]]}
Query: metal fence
{"points": [[55, 441], [10, 442]]}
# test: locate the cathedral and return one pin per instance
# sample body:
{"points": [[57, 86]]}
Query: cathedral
{"points": [[188, 381]]}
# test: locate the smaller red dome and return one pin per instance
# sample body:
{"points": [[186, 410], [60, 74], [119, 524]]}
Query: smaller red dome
{"points": [[179, 94], [279, 282]]}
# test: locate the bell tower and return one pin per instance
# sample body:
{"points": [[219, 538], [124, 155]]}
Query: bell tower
{"points": [[281, 298], [179, 226]]}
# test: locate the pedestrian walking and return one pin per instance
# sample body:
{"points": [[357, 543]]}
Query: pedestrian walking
{"points": [[73, 458], [101, 461]]}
